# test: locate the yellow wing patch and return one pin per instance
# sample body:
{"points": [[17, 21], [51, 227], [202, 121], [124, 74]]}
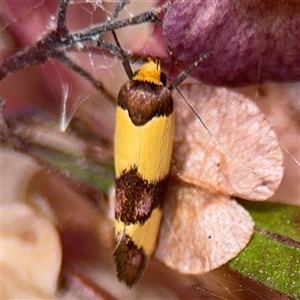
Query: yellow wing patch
{"points": [[149, 147], [143, 235]]}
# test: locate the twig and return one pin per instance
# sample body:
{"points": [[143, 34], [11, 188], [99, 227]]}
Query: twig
{"points": [[59, 40], [61, 17], [119, 7]]}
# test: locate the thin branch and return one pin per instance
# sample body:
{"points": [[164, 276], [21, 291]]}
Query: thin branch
{"points": [[115, 50], [91, 49], [125, 57], [38, 53], [61, 17], [92, 34], [59, 40], [120, 6]]}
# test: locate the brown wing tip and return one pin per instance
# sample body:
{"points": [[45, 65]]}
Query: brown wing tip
{"points": [[130, 261]]}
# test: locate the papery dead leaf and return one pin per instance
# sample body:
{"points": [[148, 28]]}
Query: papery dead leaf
{"points": [[201, 230], [240, 127], [31, 254], [16, 170]]}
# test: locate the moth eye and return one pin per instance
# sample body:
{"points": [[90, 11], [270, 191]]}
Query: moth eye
{"points": [[163, 79]]}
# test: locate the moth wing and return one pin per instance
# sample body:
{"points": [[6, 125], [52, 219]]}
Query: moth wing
{"points": [[200, 230], [239, 126]]}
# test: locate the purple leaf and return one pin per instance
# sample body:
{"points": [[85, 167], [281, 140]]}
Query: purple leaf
{"points": [[252, 41]]}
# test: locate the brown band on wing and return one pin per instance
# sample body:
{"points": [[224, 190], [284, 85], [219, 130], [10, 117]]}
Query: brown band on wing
{"points": [[145, 100], [136, 198], [130, 261]]}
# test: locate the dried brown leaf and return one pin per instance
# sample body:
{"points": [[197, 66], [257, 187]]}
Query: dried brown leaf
{"points": [[31, 254], [201, 230], [240, 127]]}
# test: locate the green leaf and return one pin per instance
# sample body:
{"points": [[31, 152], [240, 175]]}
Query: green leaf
{"points": [[99, 176], [272, 257], [96, 174], [67, 151]]}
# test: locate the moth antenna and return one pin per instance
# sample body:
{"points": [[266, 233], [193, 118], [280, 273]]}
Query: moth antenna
{"points": [[124, 56], [291, 156], [184, 74], [211, 134]]}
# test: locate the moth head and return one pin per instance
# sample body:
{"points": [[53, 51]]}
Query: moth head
{"points": [[150, 72]]}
